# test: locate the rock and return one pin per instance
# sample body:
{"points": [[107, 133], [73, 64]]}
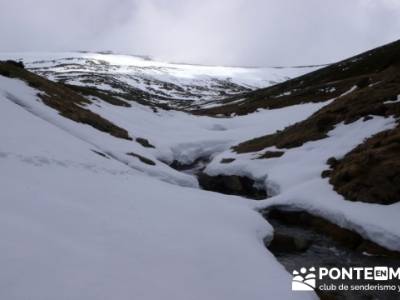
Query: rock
{"points": [[231, 185], [227, 160], [343, 236], [144, 142], [143, 159], [286, 243]]}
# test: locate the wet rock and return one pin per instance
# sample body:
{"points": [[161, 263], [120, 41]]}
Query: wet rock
{"points": [[197, 165], [231, 185], [342, 236], [286, 243]]}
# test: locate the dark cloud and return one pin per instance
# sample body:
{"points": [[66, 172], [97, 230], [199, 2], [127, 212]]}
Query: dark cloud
{"points": [[235, 32]]}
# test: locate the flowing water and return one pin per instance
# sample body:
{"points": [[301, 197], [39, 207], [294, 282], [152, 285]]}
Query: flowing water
{"points": [[318, 250]]}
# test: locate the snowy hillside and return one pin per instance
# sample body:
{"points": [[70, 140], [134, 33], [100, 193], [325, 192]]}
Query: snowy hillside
{"points": [[86, 222], [162, 82], [108, 194]]}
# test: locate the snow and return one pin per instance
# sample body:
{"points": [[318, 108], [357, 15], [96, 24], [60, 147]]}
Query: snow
{"points": [[75, 225], [295, 181], [183, 137], [21, 94], [352, 89], [191, 82], [255, 77], [393, 101], [288, 93], [186, 137]]}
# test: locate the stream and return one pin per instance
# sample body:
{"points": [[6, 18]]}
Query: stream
{"points": [[296, 245], [319, 250]]}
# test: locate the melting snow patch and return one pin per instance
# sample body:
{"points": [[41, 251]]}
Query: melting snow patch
{"points": [[82, 233], [393, 101], [296, 179]]}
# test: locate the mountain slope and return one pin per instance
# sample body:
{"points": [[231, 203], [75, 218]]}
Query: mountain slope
{"points": [[362, 175], [79, 224], [101, 172], [132, 78], [326, 83]]}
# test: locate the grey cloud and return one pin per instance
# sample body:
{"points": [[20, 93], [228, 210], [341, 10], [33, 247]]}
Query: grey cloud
{"points": [[230, 32]]}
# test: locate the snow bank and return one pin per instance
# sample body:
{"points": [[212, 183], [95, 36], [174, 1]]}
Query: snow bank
{"points": [[76, 225], [183, 137], [295, 180], [20, 93]]}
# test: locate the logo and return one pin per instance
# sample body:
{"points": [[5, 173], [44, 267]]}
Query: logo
{"points": [[305, 280], [381, 273], [351, 279]]}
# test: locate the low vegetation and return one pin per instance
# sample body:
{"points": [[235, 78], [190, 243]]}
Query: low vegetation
{"points": [[371, 172], [63, 99]]}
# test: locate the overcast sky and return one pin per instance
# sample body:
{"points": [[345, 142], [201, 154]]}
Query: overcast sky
{"points": [[228, 32]]}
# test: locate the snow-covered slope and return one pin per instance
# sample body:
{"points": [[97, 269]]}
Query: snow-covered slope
{"points": [[294, 181], [162, 82], [92, 208], [78, 225]]}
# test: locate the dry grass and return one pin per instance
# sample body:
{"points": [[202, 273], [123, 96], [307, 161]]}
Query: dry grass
{"points": [[61, 98], [371, 172]]}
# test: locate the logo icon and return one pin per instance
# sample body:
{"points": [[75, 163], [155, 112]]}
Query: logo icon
{"points": [[305, 280], [381, 273]]}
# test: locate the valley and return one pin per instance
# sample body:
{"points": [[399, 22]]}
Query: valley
{"points": [[164, 175]]}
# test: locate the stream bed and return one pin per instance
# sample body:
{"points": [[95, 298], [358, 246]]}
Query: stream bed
{"points": [[313, 249], [296, 246]]}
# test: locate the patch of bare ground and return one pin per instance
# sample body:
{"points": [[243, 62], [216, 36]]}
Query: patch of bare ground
{"points": [[59, 97], [271, 154], [364, 102], [103, 95], [227, 160], [117, 98], [371, 172], [143, 159], [144, 142], [317, 86], [232, 185]]}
